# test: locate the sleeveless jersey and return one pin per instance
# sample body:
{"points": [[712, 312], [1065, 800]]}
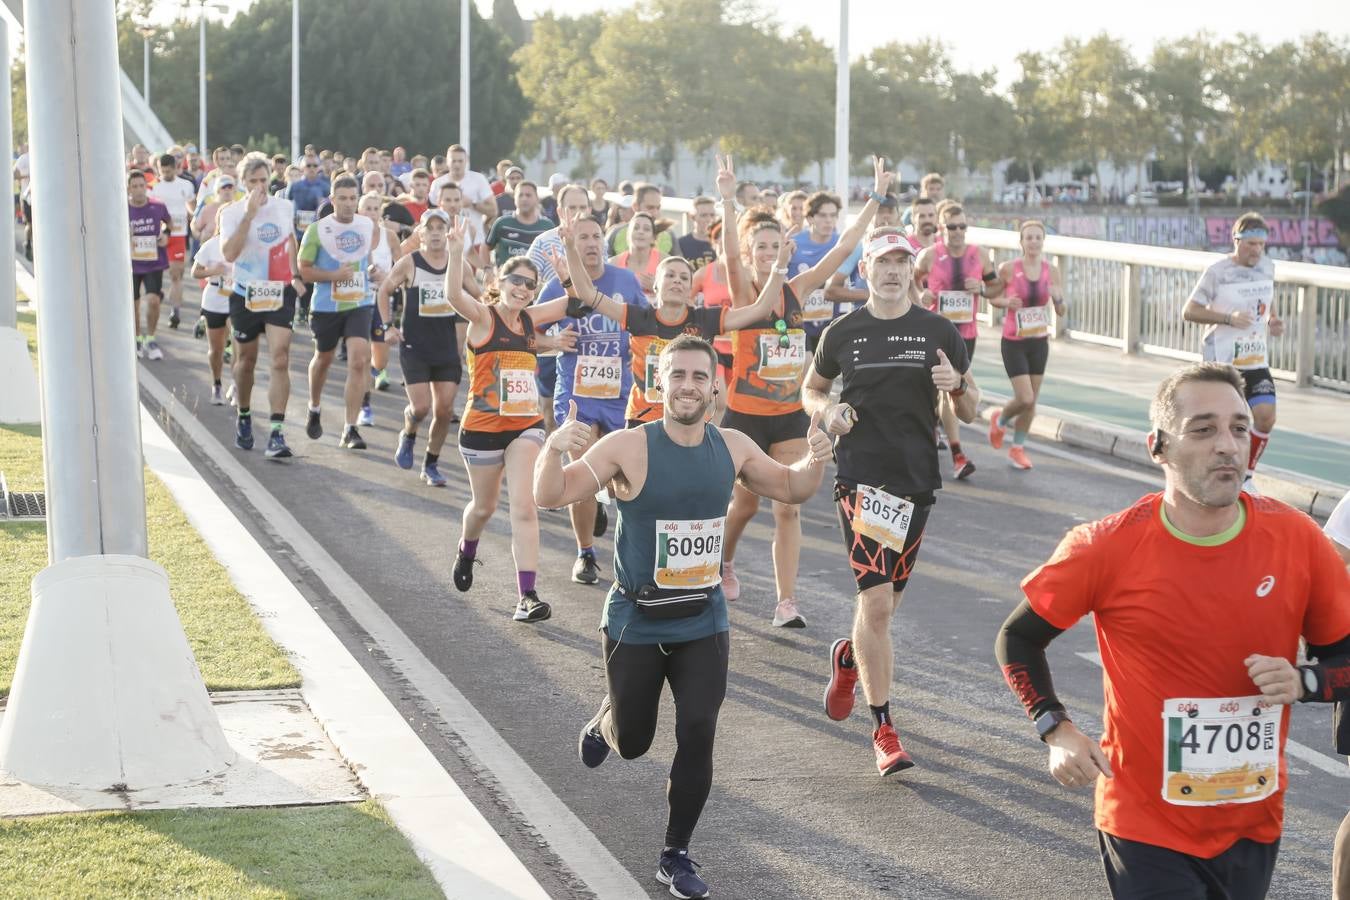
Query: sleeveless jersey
{"points": [[428, 319], [653, 260], [1032, 321], [649, 335], [766, 375], [710, 282], [503, 395], [948, 277]]}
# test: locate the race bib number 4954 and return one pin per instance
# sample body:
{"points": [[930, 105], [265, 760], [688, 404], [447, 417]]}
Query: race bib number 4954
{"points": [[688, 552], [1220, 750], [1033, 321]]}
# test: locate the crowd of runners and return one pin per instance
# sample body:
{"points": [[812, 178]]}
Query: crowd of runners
{"points": [[670, 382]]}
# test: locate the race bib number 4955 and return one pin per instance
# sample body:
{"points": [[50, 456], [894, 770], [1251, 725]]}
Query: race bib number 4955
{"points": [[1220, 750]]}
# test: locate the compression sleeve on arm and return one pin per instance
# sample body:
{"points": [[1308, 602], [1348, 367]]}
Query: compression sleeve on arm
{"points": [[1332, 670], [1020, 650]]}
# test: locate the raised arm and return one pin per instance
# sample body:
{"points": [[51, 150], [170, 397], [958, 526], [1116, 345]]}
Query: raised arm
{"points": [[816, 276], [738, 281], [474, 312]]}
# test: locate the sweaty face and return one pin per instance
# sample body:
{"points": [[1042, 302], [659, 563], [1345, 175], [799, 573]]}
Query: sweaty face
{"points": [[687, 383], [1204, 460]]}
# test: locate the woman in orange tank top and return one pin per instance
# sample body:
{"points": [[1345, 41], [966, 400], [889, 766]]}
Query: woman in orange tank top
{"points": [[769, 359]]}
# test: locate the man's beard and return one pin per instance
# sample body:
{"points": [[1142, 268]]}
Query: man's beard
{"points": [[692, 418]]}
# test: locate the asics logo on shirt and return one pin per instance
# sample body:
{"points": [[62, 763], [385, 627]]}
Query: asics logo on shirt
{"points": [[268, 233], [348, 241], [1266, 586]]}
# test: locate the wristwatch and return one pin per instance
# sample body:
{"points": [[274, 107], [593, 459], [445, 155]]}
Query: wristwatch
{"points": [[1049, 720], [959, 389], [782, 270], [880, 198], [1309, 678]]}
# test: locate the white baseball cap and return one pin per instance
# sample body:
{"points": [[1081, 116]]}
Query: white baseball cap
{"points": [[886, 243]]}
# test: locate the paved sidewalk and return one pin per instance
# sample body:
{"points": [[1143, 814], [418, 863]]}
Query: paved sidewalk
{"points": [[1312, 432]]}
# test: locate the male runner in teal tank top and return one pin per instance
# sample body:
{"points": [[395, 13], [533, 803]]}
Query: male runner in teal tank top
{"points": [[665, 617]]}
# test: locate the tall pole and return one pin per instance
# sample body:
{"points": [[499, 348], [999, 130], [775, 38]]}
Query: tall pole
{"points": [[201, 84], [1307, 205], [295, 79], [8, 316], [464, 74], [145, 77], [841, 111]]}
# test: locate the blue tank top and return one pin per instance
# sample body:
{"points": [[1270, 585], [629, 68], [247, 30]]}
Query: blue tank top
{"points": [[685, 495]]}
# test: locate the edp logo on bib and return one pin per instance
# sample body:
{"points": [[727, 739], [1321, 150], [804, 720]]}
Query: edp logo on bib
{"points": [[348, 241], [268, 233]]}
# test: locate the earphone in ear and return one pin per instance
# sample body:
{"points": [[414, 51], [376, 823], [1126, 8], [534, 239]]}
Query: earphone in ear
{"points": [[1155, 443]]}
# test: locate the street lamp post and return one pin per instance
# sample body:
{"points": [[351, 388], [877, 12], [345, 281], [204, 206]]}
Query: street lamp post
{"points": [[146, 33], [841, 100], [201, 73], [464, 75], [295, 79]]}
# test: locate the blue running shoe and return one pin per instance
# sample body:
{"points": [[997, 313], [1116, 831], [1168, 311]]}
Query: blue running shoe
{"points": [[432, 475], [276, 446], [365, 417], [677, 870], [404, 455], [243, 433]]}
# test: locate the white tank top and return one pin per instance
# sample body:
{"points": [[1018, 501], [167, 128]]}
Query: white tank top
{"points": [[382, 255]]}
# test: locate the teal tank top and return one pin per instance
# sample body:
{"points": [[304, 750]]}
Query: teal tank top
{"points": [[684, 501]]}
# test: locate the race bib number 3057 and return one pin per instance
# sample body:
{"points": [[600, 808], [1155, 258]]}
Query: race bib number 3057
{"points": [[688, 552], [1220, 750], [883, 517]]}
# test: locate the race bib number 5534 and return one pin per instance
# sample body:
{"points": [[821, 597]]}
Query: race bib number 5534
{"points": [[1220, 750]]}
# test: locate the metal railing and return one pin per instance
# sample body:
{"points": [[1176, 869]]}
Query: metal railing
{"points": [[1130, 296]]}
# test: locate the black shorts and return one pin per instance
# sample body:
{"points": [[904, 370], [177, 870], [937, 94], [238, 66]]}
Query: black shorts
{"points": [[1260, 387], [488, 448], [146, 283], [874, 563], [766, 431], [248, 324], [215, 319], [1025, 357], [1135, 869], [418, 371], [970, 347], [330, 327]]}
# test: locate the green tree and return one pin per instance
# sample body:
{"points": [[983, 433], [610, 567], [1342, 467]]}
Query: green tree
{"points": [[507, 19], [1102, 85], [1182, 91], [1040, 121], [558, 72]]}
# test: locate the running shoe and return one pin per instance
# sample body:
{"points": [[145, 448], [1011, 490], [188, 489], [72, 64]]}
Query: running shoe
{"points": [[677, 870], [462, 573], [382, 380], [431, 474], [351, 439], [243, 432], [1249, 486], [996, 431], [785, 614], [404, 455], [843, 685], [962, 467], [231, 396], [217, 395], [152, 350], [940, 436], [592, 746], [1017, 455], [601, 520], [140, 349], [199, 330], [531, 608], [175, 320], [585, 570], [342, 350], [276, 447], [314, 425], [891, 757], [365, 417], [731, 585]]}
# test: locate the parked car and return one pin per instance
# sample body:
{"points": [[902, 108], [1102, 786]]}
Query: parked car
{"points": [[1142, 198]]}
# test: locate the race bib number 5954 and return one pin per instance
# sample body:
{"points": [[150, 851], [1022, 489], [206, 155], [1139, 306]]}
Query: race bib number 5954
{"points": [[1220, 750]]}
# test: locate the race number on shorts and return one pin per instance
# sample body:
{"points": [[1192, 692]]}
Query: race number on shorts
{"points": [[144, 247], [432, 302], [688, 552], [598, 377], [519, 393], [264, 296], [1033, 322], [957, 307], [817, 308], [1220, 750], [779, 363], [883, 517]]}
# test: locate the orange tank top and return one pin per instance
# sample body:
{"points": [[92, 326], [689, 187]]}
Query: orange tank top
{"points": [[768, 362], [503, 393]]}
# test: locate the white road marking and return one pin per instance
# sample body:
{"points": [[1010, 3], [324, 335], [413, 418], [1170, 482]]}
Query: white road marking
{"points": [[566, 834], [1299, 751]]}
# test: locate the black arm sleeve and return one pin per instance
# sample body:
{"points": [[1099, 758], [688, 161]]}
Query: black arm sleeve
{"points": [[1332, 670], [1020, 650]]}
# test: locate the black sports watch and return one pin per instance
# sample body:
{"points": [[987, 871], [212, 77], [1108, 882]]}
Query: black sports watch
{"points": [[1049, 720]]}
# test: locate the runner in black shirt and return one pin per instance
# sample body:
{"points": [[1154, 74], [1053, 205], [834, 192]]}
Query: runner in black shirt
{"points": [[894, 358]]}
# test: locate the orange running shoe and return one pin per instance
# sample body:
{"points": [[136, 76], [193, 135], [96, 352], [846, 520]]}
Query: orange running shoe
{"points": [[891, 757], [996, 431], [843, 685], [962, 467], [1018, 457]]}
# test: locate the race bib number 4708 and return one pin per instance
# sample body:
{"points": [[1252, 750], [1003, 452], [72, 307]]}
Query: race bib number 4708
{"points": [[1220, 750]]}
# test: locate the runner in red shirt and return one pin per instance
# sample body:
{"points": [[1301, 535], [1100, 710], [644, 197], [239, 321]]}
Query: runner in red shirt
{"points": [[1199, 596]]}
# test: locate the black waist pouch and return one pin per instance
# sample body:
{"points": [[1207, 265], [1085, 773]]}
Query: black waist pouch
{"points": [[670, 603]]}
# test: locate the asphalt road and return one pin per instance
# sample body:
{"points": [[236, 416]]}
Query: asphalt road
{"points": [[797, 809]]}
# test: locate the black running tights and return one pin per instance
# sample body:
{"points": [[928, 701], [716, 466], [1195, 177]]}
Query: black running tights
{"points": [[697, 672]]}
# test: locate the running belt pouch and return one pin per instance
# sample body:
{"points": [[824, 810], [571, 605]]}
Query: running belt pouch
{"points": [[670, 603]]}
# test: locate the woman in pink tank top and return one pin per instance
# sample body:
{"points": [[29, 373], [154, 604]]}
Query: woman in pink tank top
{"points": [[1031, 284]]}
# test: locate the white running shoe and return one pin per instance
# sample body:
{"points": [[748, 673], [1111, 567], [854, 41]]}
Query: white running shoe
{"points": [[217, 396], [152, 350], [785, 614]]}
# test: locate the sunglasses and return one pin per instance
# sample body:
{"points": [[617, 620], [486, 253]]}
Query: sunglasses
{"points": [[957, 227], [781, 327], [524, 281]]}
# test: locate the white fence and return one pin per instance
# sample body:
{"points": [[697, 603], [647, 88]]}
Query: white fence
{"points": [[1130, 296]]}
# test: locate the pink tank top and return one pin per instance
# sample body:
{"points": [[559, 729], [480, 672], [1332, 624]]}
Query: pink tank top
{"points": [[948, 275], [710, 283], [1034, 295]]}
